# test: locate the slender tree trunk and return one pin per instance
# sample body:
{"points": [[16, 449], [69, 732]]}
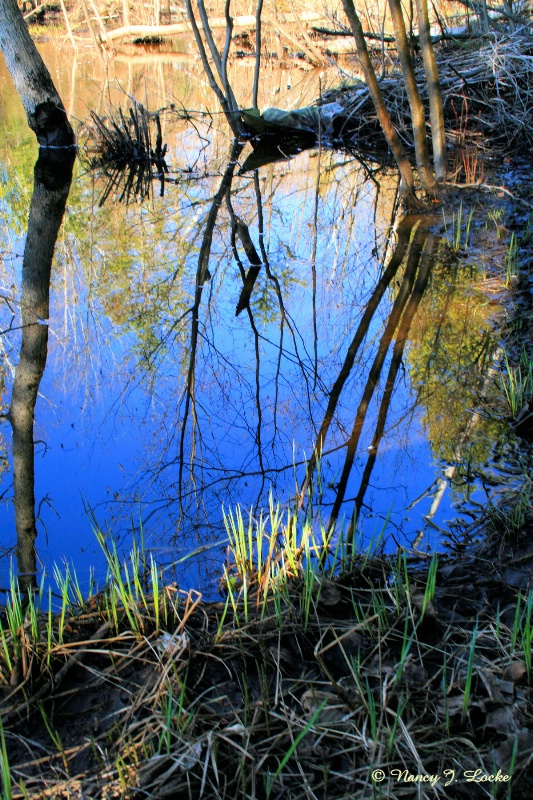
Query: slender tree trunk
{"points": [[484, 17], [407, 190], [418, 115], [44, 110], [436, 112], [225, 96], [257, 51]]}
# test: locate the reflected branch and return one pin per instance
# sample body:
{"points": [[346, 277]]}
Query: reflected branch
{"points": [[413, 259], [313, 261], [404, 234], [426, 261], [52, 179], [240, 229], [284, 316], [202, 275]]}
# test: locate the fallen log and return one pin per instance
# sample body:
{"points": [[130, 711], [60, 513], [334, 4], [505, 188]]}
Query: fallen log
{"points": [[247, 21]]}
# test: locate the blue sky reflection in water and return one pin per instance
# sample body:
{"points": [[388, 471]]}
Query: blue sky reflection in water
{"points": [[115, 425]]}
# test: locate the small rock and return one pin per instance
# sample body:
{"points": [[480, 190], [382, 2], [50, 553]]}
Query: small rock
{"points": [[515, 672]]}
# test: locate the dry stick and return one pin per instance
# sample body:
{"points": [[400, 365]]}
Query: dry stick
{"points": [[296, 42], [345, 32], [257, 52], [417, 109], [103, 33], [92, 31], [407, 188], [67, 24], [311, 45], [436, 111], [383, 50]]}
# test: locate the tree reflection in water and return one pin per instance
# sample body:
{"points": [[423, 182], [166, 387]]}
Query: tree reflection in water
{"points": [[298, 393], [409, 265], [215, 429], [52, 178]]}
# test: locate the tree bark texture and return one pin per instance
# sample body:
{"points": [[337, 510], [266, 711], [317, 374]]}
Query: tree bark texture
{"points": [[436, 112], [406, 173], [45, 111]]}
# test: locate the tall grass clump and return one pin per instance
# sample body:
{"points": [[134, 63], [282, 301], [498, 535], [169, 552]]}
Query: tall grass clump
{"points": [[459, 232], [129, 152], [269, 551], [517, 383]]}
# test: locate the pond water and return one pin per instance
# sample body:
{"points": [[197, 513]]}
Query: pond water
{"points": [[159, 406]]}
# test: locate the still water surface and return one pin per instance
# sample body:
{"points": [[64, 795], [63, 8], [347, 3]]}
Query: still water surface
{"points": [[159, 406]]}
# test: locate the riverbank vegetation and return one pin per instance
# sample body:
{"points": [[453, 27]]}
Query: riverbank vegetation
{"points": [[322, 672]]}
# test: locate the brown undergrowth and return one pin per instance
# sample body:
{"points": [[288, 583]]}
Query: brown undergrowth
{"points": [[486, 93], [392, 680]]}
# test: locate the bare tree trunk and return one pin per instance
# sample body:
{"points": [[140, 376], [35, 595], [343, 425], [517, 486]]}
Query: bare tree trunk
{"points": [[418, 116], [225, 95], [436, 113], [44, 110], [407, 190], [257, 52], [484, 17]]}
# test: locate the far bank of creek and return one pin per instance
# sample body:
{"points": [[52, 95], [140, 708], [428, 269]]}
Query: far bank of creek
{"points": [[159, 408]]}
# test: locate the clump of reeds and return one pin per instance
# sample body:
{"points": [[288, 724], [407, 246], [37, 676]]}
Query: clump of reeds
{"points": [[517, 382], [129, 152]]}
